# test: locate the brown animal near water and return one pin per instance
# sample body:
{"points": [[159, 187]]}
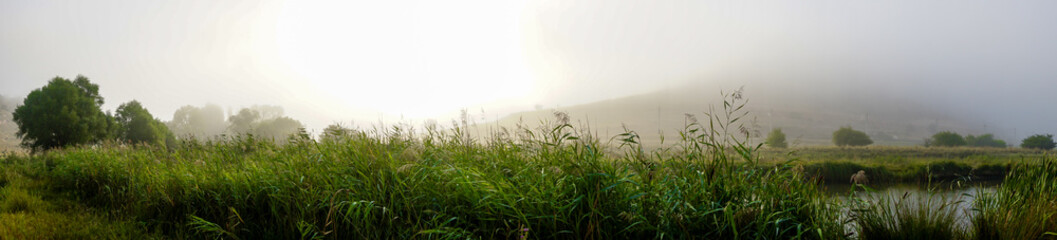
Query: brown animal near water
{"points": [[860, 178]]}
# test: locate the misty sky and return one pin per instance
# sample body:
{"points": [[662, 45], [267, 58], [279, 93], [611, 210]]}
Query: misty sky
{"points": [[341, 61]]}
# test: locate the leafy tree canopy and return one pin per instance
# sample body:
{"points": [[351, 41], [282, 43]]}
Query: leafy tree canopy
{"points": [[1039, 141], [63, 113], [137, 125], [243, 122], [776, 139], [947, 139], [278, 128], [986, 140], [846, 136], [269, 124], [199, 123]]}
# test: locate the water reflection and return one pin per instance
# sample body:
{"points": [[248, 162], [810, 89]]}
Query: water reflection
{"points": [[959, 194]]}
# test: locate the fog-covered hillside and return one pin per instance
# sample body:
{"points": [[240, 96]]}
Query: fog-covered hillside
{"points": [[807, 119]]}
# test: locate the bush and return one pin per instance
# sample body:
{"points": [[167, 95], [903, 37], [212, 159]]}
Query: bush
{"points": [[1039, 141], [986, 140], [846, 136], [947, 139], [776, 139]]}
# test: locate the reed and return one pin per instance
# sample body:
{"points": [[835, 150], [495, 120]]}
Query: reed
{"points": [[557, 182], [908, 216], [1023, 207]]}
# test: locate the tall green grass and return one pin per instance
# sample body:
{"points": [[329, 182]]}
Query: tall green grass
{"points": [[28, 210], [1023, 207], [558, 182], [909, 216]]}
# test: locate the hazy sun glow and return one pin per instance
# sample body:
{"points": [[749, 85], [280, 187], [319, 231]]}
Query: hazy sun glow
{"points": [[419, 59]]}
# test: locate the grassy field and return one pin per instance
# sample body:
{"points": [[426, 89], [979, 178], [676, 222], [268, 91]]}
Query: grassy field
{"points": [[558, 182], [31, 209]]}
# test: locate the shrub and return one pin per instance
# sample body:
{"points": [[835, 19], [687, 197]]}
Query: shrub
{"points": [[947, 139], [846, 136], [776, 139], [986, 140], [1039, 141]]}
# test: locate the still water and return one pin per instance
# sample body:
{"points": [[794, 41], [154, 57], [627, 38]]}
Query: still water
{"points": [[959, 194]]}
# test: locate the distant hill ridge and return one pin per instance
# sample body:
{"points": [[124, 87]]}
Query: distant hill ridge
{"points": [[806, 119]]}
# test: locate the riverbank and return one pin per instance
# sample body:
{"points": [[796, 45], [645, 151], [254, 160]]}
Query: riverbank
{"points": [[888, 165]]}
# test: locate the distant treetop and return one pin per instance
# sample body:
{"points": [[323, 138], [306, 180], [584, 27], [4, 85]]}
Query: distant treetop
{"points": [[1039, 141], [846, 136]]}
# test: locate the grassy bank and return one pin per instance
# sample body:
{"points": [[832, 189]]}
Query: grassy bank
{"points": [[1024, 206], [30, 209], [903, 164]]}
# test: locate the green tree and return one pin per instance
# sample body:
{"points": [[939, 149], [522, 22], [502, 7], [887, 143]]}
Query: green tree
{"points": [[846, 136], [1039, 141], [243, 122], [335, 132], [264, 122], [277, 128], [63, 113], [776, 139], [199, 123], [986, 140], [947, 139], [137, 125]]}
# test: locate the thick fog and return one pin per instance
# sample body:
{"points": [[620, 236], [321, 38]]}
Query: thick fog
{"points": [[990, 62]]}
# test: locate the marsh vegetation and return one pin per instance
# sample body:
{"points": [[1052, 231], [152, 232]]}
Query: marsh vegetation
{"points": [[556, 182]]}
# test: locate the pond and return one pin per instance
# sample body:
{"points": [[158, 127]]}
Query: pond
{"points": [[960, 194]]}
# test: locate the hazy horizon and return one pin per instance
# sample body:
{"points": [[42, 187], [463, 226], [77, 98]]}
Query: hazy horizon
{"points": [[365, 61]]}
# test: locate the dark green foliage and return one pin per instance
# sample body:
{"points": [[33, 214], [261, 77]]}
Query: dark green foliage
{"points": [[136, 125], [63, 113], [776, 139], [986, 140], [1039, 141], [846, 136], [840, 171], [947, 139]]}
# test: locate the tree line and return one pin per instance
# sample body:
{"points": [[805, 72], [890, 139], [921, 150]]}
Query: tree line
{"points": [[846, 136], [68, 112]]}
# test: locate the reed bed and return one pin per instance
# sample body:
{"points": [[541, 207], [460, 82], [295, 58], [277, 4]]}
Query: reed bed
{"points": [[557, 182], [1023, 207]]}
